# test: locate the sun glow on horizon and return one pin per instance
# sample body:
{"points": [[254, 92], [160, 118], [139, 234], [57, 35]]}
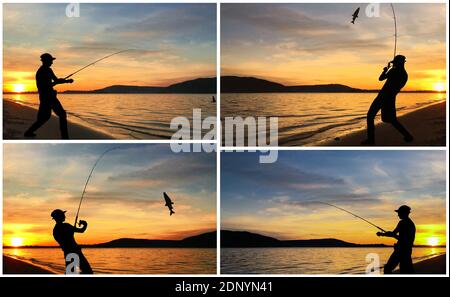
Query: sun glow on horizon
{"points": [[18, 88], [433, 241], [439, 86], [17, 241]]}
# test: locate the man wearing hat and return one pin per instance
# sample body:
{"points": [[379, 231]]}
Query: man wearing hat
{"points": [[405, 233], [45, 80], [396, 78], [64, 235]]}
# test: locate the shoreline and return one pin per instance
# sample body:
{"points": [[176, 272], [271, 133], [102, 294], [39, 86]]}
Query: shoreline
{"points": [[426, 124], [17, 118], [15, 266], [433, 265]]}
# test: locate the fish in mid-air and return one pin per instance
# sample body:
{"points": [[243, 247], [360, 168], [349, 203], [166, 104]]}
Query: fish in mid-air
{"points": [[169, 203], [355, 15]]}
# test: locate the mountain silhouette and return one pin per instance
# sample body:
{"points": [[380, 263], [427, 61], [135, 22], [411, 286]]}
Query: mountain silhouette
{"points": [[237, 84], [241, 239], [199, 85], [195, 86], [246, 239], [204, 240]]}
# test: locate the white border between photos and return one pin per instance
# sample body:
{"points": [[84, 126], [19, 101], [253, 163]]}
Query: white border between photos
{"points": [[219, 146]]}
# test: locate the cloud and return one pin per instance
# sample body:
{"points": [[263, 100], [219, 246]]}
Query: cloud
{"points": [[171, 171], [283, 176], [176, 22], [277, 19]]}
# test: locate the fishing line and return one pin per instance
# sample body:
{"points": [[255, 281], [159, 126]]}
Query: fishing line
{"points": [[353, 214], [88, 178]]}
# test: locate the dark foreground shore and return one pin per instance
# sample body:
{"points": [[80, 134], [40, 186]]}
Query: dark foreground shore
{"points": [[14, 266], [18, 118], [427, 125], [435, 265]]}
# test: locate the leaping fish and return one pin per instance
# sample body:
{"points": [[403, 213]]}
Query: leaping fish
{"points": [[355, 15], [169, 203]]}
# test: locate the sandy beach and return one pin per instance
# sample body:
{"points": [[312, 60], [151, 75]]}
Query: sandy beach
{"points": [[17, 118], [14, 266], [427, 125]]}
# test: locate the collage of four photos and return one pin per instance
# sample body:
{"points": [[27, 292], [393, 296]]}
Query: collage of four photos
{"points": [[284, 139]]}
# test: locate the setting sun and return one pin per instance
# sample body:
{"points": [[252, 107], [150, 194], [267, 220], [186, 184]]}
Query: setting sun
{"points": [[16, 241], [18, 88], [439, 86], [433, 241]]}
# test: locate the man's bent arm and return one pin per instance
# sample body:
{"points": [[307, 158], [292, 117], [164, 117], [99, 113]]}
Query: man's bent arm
{"points": [[58, 81], [82, 229], [384, 74]]}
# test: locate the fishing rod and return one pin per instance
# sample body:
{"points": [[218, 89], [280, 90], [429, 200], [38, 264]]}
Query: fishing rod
{"points": [[355, 215], [96, 61], [87, 181], [395, 30]]}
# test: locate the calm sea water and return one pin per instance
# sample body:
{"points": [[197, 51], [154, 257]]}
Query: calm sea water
{"points": [[307, 260], [127, 260], [129, 116], [309, 118]]}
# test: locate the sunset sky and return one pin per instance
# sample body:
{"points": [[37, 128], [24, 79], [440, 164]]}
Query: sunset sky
{"points": [[171, 42], [123, 199], [298, 44], [280, 199]]}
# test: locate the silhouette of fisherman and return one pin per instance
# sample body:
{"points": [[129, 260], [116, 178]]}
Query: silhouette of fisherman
{"points": [[64, 235], [405, 233], [45, 80], [396, 78]]}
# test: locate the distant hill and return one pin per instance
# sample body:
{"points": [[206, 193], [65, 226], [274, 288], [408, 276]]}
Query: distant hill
{"points": [[204, 240], [199, 85], [123, 89], [247, 239], [195, 86], [327, 88], [237, 84]]}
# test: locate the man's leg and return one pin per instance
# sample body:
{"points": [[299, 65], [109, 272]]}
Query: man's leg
{"points": [[85, 267], [391, 263], [371, 114], [43, 115], [62, 115], [406, 135], [406, 264]]}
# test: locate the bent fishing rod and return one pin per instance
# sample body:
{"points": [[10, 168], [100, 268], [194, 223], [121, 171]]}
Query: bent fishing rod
{"points": [[353, 214], [88, 179], [395, 30], [96, 61]]}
